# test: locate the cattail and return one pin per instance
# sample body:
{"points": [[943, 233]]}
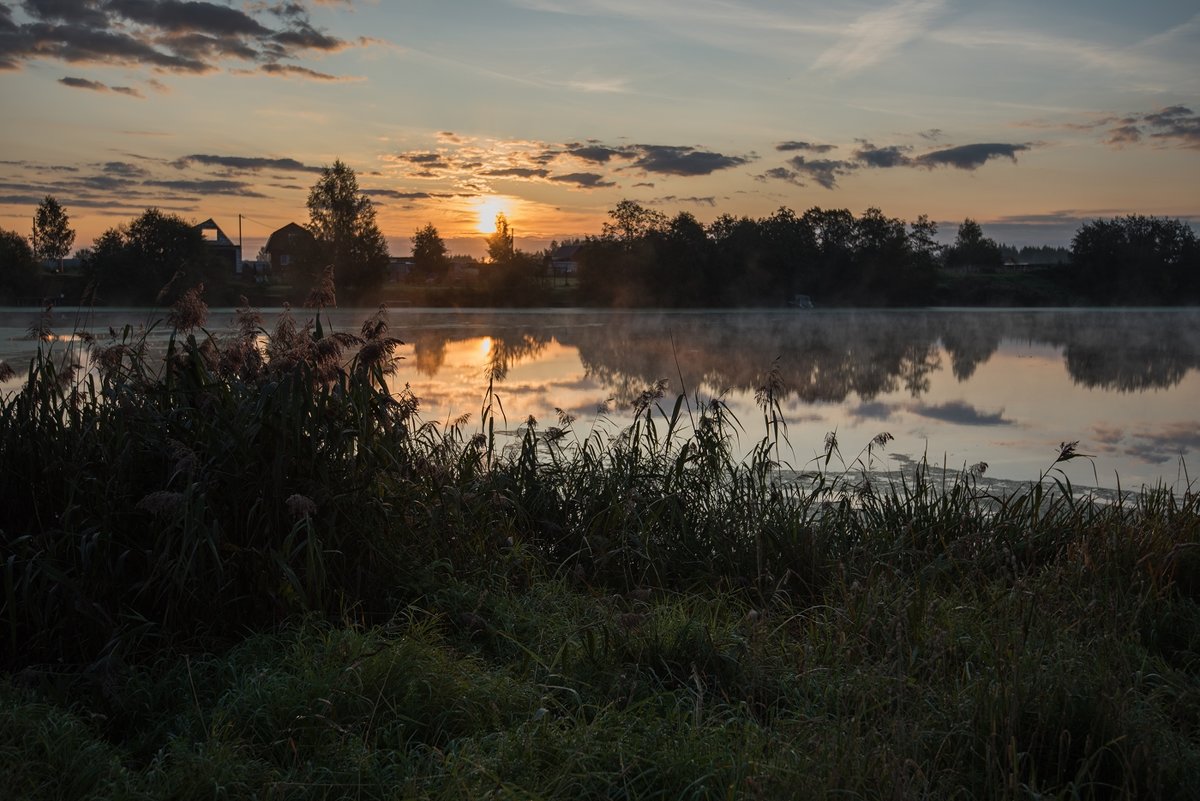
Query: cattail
{"points": [[189, 311], [300, 506], [324, 293], [160, 503]]}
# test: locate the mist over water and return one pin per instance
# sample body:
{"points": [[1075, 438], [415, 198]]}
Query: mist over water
{"points": [[956, 386]]}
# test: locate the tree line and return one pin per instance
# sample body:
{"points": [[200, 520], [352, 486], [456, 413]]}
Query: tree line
{"points": [[642, 257]]}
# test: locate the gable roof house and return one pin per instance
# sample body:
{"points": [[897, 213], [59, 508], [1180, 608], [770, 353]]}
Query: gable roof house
{"points": [[285, 246], [221, 246]]}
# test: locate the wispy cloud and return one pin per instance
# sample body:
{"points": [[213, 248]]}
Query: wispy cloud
{"points": [[875, 36]]}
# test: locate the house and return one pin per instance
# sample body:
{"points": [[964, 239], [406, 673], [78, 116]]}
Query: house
{"points": [[220, 246], [286, 246], [400, 268], [564, 261]]}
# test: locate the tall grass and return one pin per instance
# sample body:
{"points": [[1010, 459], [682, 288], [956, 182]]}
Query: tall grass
{"points": [[246, 564]]}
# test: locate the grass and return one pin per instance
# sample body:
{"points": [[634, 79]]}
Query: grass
{"points": [[243, 569]]}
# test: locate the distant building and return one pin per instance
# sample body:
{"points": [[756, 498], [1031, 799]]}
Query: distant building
{"points": [[564, 261], [400, 268], [286, 246], [221, 246]]}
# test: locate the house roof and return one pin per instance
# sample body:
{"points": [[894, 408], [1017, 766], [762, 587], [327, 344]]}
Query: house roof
{"points": [[566, 252], [213, 234], [288, 237]]}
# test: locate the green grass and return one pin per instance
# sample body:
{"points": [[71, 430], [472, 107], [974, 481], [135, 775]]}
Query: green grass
{"points": [[249, 572]]}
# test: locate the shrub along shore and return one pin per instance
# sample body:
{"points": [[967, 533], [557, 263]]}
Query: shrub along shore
{"points": [[247, 569]]}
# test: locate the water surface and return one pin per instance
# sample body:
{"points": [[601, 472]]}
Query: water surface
{"points": [[956, 386]]}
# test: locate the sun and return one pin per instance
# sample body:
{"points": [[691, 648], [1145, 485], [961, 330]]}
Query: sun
{"points": [[489, 207]]}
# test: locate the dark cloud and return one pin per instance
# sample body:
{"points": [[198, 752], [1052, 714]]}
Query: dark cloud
{"points": [[517, 172], [126, 90], [961, 413], [586, 180], [191, 36], [647, 184], [787, 147], [248, 163], [1177, 123], [125, 169], [824, 171], [1124, 135], [599, 154], [890, 156], [687, 161], [708, 200], [782, 174], [393, 194], [968, 157], [933, 134], [430, 161], [175, 16], [83, 83], [208, 187], [295, 71]]}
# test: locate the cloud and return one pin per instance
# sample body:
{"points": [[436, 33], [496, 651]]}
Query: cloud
{"points": [[1177, 124], [517, 172], [294, 71], [83, 83], [248, 163], [873, 410], [824, 171], [1158, 445], [186, 36], [394, 194], [96, 86], [808, 146], [961, 413], [599, 154], [125, 169], [876, 35], [208, 187], [708, 200], [689, 161], [969, 157], [586, 180], [890, 156]]}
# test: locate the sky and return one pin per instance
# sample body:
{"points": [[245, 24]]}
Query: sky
{"points": [[1029, 117]]}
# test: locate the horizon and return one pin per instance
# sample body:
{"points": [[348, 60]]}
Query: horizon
{"points": [[1030, 120]]}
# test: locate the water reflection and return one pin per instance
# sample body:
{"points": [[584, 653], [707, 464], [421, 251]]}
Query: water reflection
{"points": [[826, 357], [975, 385]]}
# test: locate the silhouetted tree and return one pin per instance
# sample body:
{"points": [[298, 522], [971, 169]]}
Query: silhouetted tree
{"points": [[1136, 259], [52, 234], [500, 244], [429, 253], [343, 221], [135, 261], [18, 269], [972, 249]]}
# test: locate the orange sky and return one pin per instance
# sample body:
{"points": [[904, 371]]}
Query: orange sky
{"points": [[1029, 117]]}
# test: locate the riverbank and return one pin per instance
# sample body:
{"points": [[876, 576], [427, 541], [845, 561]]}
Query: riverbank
{"points": [[439, 613]]}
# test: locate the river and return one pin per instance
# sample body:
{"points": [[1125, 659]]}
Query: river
{"points": [[957, 387]]}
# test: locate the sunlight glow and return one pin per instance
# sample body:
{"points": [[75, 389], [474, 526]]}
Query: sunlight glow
{"points": [[489, 207]]}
